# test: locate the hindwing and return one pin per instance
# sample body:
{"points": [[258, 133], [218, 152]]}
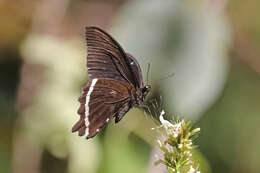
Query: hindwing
{"points": [[101, 100]]}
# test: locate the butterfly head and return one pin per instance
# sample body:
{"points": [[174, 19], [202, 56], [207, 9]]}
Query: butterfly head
{"points": [[146, 89]]}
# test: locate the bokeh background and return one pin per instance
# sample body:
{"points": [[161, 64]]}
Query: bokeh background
{"points": [[211, 46]]}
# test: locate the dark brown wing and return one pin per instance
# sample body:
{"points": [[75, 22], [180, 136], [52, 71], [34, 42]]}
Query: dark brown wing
{"points": [[106, 58], [136, 69], [100, 101]]}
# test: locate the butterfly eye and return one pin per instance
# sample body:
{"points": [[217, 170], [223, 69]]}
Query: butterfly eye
{"points": [[132, 63]]}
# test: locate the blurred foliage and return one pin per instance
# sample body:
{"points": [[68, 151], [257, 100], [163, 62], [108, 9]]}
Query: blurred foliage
{"points": [[244, 15], [211, 46], [9, 79], [232, 124], [15, 17]]}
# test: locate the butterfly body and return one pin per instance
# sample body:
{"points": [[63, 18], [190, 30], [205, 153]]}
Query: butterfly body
{"points": [[115, 84]]}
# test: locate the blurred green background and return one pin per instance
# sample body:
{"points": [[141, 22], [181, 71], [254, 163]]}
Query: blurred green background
{"points": [[211, 46]]}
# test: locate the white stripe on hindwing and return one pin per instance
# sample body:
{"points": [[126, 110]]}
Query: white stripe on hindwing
{"points": [[93, 82]]}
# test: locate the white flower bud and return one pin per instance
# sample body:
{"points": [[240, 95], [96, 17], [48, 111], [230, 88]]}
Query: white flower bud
{"points": [[180, 145]]}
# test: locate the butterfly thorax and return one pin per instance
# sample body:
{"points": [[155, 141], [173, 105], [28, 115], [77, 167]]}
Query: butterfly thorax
{"points": [[139, 95], [137, 98]]}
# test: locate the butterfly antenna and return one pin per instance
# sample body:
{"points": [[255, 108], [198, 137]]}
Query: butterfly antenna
{"points": [[147, 74], [166, 77]]}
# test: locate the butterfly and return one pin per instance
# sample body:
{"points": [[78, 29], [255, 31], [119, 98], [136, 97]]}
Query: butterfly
{"points": [[115, 84]]}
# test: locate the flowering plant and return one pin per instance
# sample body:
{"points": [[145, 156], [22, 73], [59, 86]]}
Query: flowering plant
{"points": [[177, 146]]}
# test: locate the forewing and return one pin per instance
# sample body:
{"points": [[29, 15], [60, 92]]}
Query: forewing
{"points": [[106, 58], [99, 103]]}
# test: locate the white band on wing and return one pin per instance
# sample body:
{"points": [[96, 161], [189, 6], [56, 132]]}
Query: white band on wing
{"points": [[93, 82]]}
